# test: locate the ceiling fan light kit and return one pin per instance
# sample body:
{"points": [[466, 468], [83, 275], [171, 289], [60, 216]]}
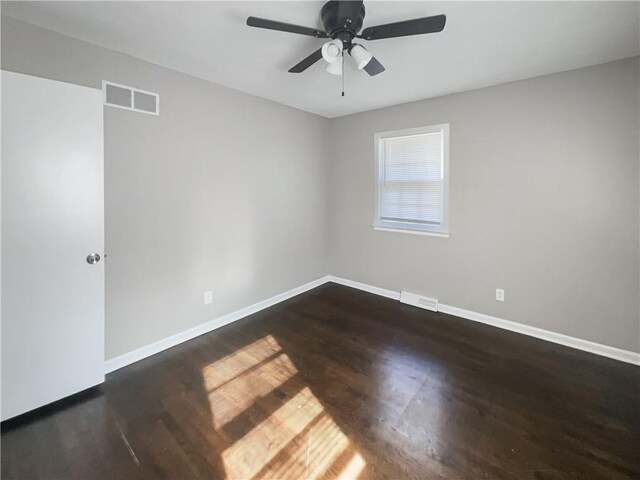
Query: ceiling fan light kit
{"points": [[342, 20]]}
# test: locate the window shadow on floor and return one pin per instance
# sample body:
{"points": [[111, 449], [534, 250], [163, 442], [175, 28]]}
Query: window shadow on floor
{"points": [[337, 383]]}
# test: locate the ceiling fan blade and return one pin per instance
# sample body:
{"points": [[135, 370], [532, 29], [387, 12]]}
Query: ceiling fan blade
{"points": [[307, 62], [416, 26], [348, 9], [285, 27], [374, 67]]}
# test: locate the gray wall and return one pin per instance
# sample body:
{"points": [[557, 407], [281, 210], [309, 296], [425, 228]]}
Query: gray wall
{"points": [[544, 203], [223, 191], [229, 192]]}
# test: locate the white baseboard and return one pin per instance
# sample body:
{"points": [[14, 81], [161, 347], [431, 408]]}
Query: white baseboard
{"points": [[156, 347], [383, 292], [566, 340], [578, 343]]}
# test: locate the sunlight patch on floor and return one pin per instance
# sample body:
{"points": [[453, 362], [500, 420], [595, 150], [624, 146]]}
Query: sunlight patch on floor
{"points": [[353, 468], [235, 396], [246, 457], [288, 433], [239, 361]]}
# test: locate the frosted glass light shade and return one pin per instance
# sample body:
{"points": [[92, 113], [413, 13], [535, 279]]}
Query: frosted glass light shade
{"points": [[334, 68], [332, 51], [360, 56]]}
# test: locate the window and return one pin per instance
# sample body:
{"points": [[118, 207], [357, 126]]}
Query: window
{"points": [[412, 177]]}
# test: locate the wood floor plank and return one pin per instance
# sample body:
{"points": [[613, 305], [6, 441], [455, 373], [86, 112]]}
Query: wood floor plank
{"points": [[338, 383]]}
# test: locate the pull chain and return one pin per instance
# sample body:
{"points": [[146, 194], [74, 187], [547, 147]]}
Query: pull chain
{"points": [[343, 73]]}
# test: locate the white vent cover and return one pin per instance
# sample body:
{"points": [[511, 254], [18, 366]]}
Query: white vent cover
{"points": [[419, 301], [129, 98]]}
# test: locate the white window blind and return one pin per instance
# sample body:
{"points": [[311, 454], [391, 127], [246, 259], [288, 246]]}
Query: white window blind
{"points": [[412, 181]]}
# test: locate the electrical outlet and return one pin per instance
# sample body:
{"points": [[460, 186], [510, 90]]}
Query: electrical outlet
{"points": [[208, 297], [499, 294]]}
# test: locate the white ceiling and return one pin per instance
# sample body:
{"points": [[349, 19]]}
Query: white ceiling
{"points": [[484, 43]]}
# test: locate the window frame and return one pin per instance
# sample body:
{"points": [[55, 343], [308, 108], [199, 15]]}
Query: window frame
{"points": [[440, 230]]}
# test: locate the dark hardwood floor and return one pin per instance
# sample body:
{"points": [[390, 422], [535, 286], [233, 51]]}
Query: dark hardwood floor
{"points": [[338, 383]]}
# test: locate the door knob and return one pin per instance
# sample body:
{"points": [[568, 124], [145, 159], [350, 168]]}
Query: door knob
{"points": [[93, 258]]}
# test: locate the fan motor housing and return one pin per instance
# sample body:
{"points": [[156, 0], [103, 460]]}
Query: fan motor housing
{"points": [[344, 29]]}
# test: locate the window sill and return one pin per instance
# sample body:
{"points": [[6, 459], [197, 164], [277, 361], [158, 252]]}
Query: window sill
{"points": [[412, 232]]}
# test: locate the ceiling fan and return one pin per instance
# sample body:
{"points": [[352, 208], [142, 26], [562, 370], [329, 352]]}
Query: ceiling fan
{"points": [[342, 20]]}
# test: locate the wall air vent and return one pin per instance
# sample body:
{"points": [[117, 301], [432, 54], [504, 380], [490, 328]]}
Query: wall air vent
{"points": [[129, 98], [419, 301]]}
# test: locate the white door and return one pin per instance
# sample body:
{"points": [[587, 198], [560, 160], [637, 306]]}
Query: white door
{"points": [[52, 219]]}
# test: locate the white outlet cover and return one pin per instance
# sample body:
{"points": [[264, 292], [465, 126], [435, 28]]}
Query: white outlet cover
{"points": [[208, 297], [499, 294]]}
